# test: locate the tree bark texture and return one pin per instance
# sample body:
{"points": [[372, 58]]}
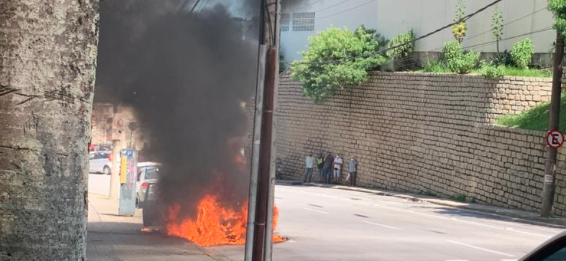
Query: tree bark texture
{"points": [[47, 71]]}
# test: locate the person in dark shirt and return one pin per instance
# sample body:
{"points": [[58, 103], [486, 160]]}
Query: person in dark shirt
{"points": [[327, 168], [320, 165]]}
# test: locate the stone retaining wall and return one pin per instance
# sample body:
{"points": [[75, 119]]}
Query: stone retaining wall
{"points": [[425, 133]]}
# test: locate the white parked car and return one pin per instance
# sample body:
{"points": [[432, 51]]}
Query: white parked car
{"points": [[100, 162], [148, 174]]}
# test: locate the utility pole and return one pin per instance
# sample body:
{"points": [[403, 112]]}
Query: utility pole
{"points": [[260, 210], [549, 177], [116, 148]]}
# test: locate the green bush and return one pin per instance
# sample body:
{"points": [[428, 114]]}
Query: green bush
{"points": [[457, 60], [452, 50], [404, 51], [336, 58], [522, 53], [491, 71], [435, 67], [503, 58]]}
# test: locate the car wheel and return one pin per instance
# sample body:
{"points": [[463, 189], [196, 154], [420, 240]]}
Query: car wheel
{"points": [[106, 170], [137, 202]]}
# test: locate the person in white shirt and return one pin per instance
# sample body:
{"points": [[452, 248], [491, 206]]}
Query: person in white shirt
{"points": [[309, 168], [337, 168]]}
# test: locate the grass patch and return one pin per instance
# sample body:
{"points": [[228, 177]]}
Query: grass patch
{"points": [[512, 71], [536, 118], [434, 67], [428, 193], [438, 67], [460, 197]]}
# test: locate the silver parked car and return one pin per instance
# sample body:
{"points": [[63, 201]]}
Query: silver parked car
{"points": [[148, 174], [100, 162]]}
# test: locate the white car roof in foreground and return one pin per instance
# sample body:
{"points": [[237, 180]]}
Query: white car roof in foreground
{"points": [[147, 164]]}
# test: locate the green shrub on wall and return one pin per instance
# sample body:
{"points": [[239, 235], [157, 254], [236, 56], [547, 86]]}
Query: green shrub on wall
{"points": [[458, 60], [337, 58], [522, 53], [405, 50], [491, 71]]}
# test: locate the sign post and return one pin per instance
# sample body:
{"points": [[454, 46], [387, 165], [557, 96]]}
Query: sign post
{"points": [[128, 170]]}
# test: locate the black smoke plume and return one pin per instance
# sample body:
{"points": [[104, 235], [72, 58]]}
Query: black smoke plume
{"points": [[186, 76]]}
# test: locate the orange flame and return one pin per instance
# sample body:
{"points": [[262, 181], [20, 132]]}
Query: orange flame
{"points": [[214, 224]]}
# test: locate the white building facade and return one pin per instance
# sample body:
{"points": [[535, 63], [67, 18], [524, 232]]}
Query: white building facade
{"points": [[301, 19], [522, 19]]}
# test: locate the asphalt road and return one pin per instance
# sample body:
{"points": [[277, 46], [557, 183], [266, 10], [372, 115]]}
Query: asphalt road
{"points": [[338, 225], [326, 224]]}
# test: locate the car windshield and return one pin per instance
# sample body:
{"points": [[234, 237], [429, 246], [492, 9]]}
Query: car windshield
{"points": [[152, 173]]}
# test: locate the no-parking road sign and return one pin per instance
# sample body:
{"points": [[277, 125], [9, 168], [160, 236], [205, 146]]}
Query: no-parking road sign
{"points": [[555, 139]]}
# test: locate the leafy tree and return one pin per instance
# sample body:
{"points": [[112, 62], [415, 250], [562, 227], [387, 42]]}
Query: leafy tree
{"points": [[459, 29], [558, 8], [497, 26], [337, 58], [406, 50]]}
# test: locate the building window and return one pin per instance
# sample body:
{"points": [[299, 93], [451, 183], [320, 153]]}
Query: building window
{"points": [[303, 21], [285, 22]]}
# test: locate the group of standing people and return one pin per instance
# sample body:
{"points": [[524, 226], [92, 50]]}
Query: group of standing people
{"points": [[330, 168]]}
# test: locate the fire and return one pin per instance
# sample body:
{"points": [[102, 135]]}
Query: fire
{"points": [[213, 224]]}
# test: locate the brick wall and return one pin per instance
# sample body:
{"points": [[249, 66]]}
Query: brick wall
{"points": [[425, 133]]}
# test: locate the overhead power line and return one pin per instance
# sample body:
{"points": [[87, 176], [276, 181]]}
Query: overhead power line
{"points": [[516, 20], [347, 10], [465, 18], [328, 7], [302, 6], [194, 6], [182, 7], [513, 37], [490, 42], [204, 5]]}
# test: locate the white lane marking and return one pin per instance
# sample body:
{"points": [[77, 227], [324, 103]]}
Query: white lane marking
{"points": [[508, 259], [291, 241], [381, 225], [505, 228], [433, 216], [475, 223], [317, 211], [479, 248], [527, 233], [457, 260]]}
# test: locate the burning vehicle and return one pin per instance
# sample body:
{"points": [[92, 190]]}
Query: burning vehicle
{"points": [[186, 77]]}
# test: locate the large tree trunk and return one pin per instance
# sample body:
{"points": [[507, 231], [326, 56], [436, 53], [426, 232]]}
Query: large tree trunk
{"points": [[47, 71]]}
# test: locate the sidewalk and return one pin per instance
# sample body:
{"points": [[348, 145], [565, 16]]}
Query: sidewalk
{"points": [[116, 238], [514, 214]]}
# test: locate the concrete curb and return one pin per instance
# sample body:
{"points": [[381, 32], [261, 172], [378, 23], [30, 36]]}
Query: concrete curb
{"points": [[513, 214]]}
